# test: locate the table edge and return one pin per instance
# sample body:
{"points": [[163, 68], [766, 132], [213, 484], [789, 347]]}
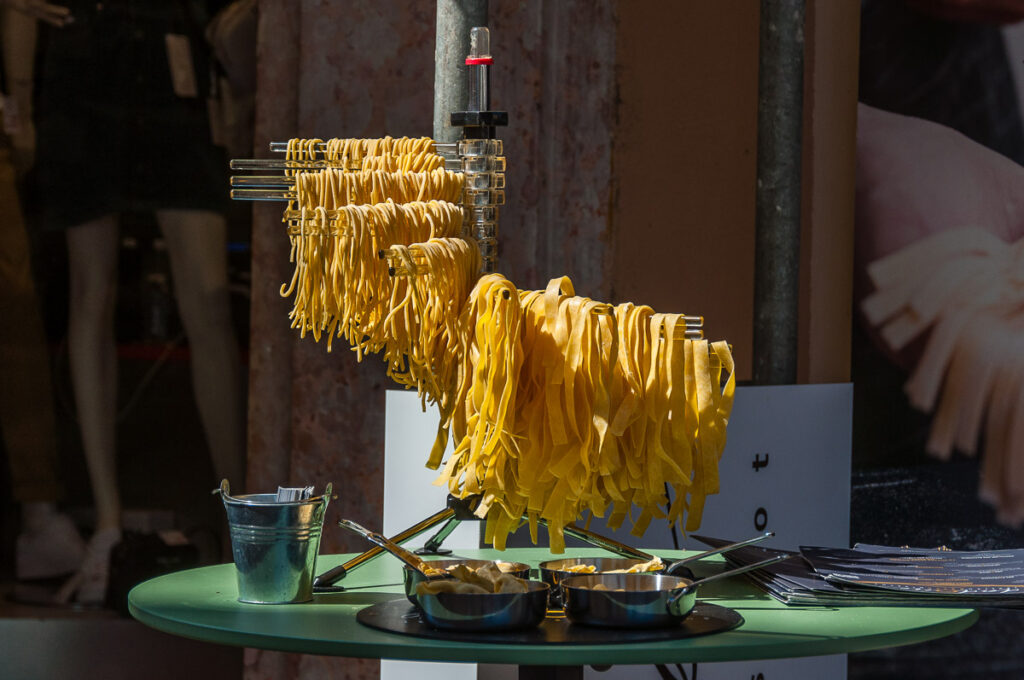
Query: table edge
{"points": [[516, 654]]}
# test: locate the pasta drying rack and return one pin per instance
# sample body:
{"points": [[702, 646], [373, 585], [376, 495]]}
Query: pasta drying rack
{"points": [[479, 157]]}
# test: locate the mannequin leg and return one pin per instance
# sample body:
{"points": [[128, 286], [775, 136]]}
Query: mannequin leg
{"points": [[196, 241], [92, 259]]}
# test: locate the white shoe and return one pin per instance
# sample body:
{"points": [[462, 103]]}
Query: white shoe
{"points": [[89, 584], [48, 548]]}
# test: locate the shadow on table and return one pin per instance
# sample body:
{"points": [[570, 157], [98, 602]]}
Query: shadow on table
{"points": [[353, 596]]}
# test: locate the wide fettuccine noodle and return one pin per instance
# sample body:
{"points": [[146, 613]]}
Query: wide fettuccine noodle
{"points": [[355, 154], [423, 325]]}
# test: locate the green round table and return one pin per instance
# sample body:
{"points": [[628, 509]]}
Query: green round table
{"points": [[202, 604]]}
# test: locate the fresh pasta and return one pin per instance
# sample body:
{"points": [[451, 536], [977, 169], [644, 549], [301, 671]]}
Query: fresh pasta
{"points": [[610, 408], [340, 284], [557, 405], [422, 326], [409, 154], [332, 188]]}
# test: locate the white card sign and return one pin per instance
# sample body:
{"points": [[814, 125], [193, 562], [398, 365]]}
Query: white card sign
{"points": [[409, 497], [786, 468], [409, 493]]}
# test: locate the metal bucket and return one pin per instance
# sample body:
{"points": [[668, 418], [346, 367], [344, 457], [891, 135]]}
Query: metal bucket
{"points": [[274, 544]]}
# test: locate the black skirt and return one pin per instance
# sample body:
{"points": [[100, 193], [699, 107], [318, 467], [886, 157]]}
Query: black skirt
{"points": [[112, 134]]}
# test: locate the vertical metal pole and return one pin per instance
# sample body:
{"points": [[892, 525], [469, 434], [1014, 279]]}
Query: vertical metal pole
{"points": [[777, 245], [451, 45]]}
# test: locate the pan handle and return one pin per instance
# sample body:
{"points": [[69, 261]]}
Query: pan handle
{"points": [[718, 551], [609, 544], [686, 590]]}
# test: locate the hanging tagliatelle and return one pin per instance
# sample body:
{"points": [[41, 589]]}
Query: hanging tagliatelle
{"points": [[422, 327], [607, 409], [332, 188], [403, 155], [482, 405], [410, 162], [564, 405], [340, 283], [351, 153]]}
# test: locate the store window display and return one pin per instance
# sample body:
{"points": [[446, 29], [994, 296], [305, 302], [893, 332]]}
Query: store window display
{"points": [[122, 126]]}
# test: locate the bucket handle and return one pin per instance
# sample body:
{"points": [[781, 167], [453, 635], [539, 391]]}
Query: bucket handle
{"points": [[224, 489], [328, 494], [225, 492]]}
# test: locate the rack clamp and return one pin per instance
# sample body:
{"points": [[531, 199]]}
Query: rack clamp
{"points": [[463, 511], [479, 124]]}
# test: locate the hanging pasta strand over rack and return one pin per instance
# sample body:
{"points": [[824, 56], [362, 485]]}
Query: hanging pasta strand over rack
{"points": [[340, 284], [425, 309], [332, 187]]}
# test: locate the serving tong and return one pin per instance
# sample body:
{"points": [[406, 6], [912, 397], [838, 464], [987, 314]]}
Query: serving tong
{"points": [[398, 551], [675, 567]]}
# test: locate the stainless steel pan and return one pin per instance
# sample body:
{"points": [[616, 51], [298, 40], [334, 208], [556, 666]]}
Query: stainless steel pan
{"points": [[486, 612], [553, 572], [638, 600]]}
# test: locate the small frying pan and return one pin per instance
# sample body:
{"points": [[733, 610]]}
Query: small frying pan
{"points": [[485, 612], [638, 600], [553, 572]]}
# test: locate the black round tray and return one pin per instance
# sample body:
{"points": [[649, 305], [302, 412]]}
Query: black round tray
{"points": [[398, 616]]}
